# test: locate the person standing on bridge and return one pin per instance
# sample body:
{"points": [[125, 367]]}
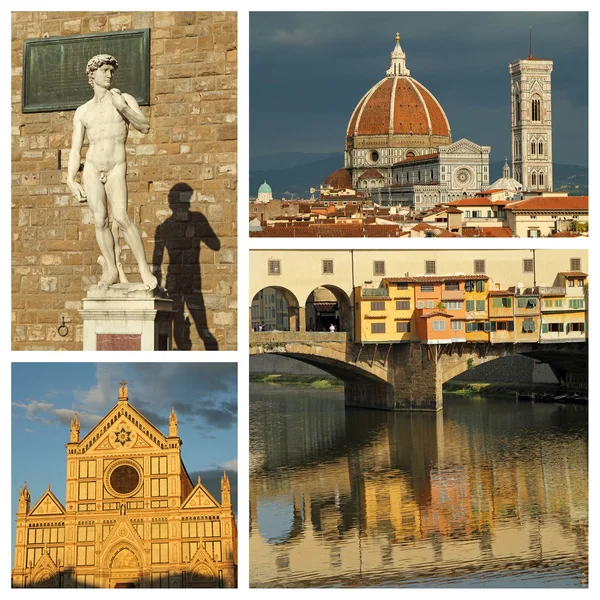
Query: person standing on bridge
{"points": [[332, 328]]}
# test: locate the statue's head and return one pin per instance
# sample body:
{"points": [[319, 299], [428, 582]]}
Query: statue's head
{"points": [[98, 61]]}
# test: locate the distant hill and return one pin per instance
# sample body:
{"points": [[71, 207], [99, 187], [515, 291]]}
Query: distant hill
{"points": [[287, 160], [296, 180], [298, 177], [570, 179]]}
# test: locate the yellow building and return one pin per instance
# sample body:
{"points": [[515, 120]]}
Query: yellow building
{"points": [[132, 517]]}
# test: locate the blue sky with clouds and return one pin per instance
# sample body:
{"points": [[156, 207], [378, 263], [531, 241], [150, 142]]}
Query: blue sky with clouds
{"points": [[309, 70], [46, 395]]}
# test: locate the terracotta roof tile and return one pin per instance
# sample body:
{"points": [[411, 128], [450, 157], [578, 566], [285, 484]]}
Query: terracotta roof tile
{"points": [[435, 278], [371, 174], [573, 274], [493, 232], [501, 293], [436, 313], [412, 159], [551, 203]]}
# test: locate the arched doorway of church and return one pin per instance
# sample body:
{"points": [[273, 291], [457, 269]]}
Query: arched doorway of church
{"points": [[202, 576], [125, 569]]}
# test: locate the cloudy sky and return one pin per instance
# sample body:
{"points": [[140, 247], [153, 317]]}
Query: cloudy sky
{"points": [[309, 70], [46, 395]]}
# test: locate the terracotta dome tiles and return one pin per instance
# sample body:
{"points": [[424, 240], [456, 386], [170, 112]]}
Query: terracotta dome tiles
{"points": [[439, 124], [409, 113], [375, 116], [414, 110], [340, 179]]}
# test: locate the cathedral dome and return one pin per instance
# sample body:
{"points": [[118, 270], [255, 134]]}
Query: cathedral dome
{"points": [[340, 180], [399, 108], [399, 105]]}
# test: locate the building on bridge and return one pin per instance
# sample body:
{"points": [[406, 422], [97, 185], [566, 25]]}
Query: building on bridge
{"points": [[448, 309], [132, 517]]}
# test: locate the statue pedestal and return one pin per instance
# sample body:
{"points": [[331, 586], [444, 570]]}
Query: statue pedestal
{"points": [[125, 316]]}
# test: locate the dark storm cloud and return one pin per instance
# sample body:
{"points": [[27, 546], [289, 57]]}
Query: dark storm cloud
{"points": [[204, 395], [309, 70]]}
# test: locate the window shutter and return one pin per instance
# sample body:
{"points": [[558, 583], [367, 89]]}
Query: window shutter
{"points": [[480, 304], [544, 327], [470, 305], [511, 326], [561, 327], [493, 326], [487, 326], [568, 327], [469, 327], [479, 285], [497, 302]]}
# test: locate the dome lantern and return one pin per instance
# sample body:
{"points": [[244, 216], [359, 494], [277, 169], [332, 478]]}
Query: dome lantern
{"points": [[397, 60]]}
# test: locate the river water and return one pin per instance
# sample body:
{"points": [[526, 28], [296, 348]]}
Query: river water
{"points": [[487, 493]]}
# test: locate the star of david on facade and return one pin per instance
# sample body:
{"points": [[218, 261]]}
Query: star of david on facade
{"points": [[122, 437]]}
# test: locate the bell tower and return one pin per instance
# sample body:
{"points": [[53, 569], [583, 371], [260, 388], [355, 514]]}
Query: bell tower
{"points": [[531, 115]]}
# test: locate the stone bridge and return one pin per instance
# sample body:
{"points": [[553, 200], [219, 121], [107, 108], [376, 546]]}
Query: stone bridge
{"points": [[408, 376]]}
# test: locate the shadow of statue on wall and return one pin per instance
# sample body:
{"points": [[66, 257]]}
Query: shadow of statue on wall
{"points": [[181, 235]]}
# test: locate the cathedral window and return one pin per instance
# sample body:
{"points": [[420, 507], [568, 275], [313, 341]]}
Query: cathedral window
{"points": [[533, 148], [214, 548], [87, 468], [86, 533], [536, 109], [84, 581], [541, 179], [158, 465], [541, 148], [158, 487], [160, 552], [160, 531], [160, 580], [533, 179], [518, 107], [85, 556], [87, 490]]}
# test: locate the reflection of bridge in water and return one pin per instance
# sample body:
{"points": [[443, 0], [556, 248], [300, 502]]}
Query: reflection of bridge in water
{"points": [[364, 494], [408, 376]]}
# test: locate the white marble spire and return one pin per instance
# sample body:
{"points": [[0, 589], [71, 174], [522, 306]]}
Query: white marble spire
{"points": [[398, 60]]}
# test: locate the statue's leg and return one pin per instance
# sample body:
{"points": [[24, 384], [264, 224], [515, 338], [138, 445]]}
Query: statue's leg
{"points": [[96, 198], [116, 233], [116, 190]]}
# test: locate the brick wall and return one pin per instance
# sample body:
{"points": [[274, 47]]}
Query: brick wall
{"points": [[182, 180]]}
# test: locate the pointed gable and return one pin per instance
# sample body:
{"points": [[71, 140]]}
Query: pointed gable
{"points": [[123, 428], [200, 498], [48, 504]]}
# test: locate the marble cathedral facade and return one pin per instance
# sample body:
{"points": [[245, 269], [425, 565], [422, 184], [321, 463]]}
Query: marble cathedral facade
{"points": [[132, 517]]}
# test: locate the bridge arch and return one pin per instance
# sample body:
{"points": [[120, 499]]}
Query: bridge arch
{"points": [[274, 308], [328, 305], [331, 352]]}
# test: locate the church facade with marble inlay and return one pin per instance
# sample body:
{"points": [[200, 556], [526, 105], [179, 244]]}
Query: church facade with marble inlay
{"points": [[132, 516]]}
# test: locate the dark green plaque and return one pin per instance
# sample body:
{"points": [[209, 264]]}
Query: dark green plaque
{"points": [[54, 68]]}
